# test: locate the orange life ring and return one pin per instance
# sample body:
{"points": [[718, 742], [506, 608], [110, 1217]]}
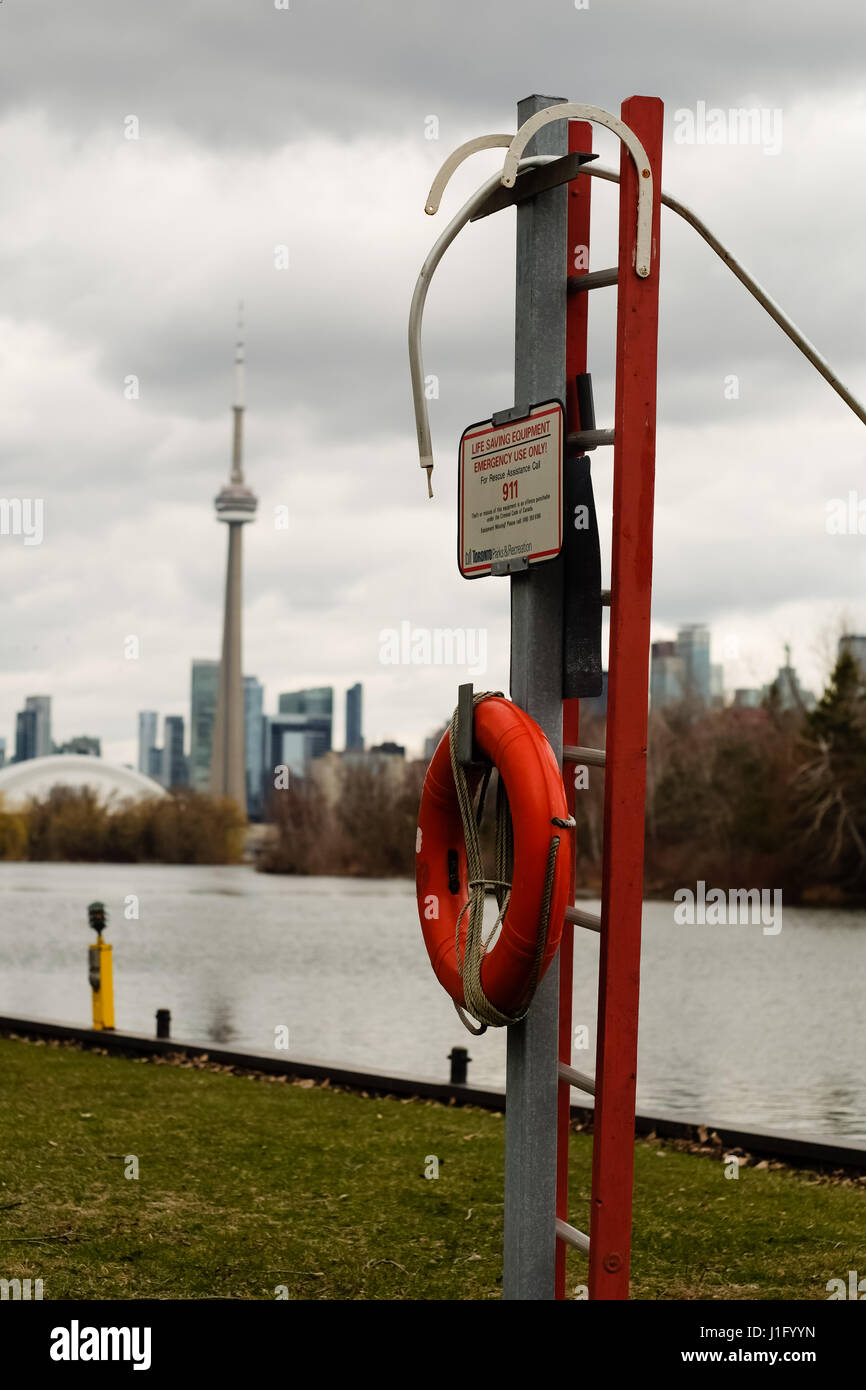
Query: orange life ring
{"points": [[519, 749]]}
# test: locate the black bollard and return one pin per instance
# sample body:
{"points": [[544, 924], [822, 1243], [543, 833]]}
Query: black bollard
{"points": [[459, 1059], [163, 1023]]}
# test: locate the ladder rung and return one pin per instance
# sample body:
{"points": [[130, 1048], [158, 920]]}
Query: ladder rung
{"points": [[593, 757], [605, 598], [588, 439], [572, 1236], [579, 1079], [590, 920], [593, 280]]}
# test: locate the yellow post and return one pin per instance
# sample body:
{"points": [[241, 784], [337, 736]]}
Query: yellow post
{"points": [[100, 971]]}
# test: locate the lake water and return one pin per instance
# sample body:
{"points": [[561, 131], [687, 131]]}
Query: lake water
{"points": [[738, 1026]]}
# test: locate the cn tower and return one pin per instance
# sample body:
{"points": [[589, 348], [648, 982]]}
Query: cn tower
{"points": [[235, 505]]}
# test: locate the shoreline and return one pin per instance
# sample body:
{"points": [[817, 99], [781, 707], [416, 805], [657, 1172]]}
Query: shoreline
{"points": [[834, 1152]]}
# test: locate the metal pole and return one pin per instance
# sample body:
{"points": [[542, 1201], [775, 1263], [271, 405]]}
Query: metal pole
{"points": [[578, 414], [536, 685], [459, 1059]]}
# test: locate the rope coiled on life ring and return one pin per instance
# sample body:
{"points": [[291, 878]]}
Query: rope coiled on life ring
{"points": [[476, 944]]}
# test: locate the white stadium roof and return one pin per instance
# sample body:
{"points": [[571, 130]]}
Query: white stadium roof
{"points": [[36, 777]]}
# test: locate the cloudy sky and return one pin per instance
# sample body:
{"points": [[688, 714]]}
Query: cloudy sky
{"points": [[258, 127]]}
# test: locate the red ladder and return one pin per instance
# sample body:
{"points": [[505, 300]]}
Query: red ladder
{"points": [[624, 758]]}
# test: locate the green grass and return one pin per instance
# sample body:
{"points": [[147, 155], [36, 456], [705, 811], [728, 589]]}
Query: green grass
{"points": [[247, 1184]]}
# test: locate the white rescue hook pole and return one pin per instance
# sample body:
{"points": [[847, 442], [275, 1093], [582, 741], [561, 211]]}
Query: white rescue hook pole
{"points": [[416, 311], [808, 349], [513, 164]]}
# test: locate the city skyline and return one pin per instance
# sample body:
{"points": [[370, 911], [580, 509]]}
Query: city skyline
{"points": [[152, 737], [682, 672], [298, 732], [341, 693], [124, 749], [669, 682]]}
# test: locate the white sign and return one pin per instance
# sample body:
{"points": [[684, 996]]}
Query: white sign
{"points": [[510, 492]]}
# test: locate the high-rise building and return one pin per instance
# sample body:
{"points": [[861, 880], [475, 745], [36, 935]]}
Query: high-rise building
{"points": [[355, 717], [318, 701], [236, 506], [288, 742], [155, 765], [41, 706], [174, 772], [667, 675], [254, 700], [25, 735], [2, 752], [203, 701], [312, 710], [147, 722], [693, 646], [316, 732]]}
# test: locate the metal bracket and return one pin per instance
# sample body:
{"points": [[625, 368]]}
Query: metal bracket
{"points": [[533, 182], [585, 407], [507, 417], [503, 568], [468, 755], [581, 648]]}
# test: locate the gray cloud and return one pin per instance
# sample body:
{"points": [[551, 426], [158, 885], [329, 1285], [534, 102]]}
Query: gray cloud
{"points": [[251, 76]]}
